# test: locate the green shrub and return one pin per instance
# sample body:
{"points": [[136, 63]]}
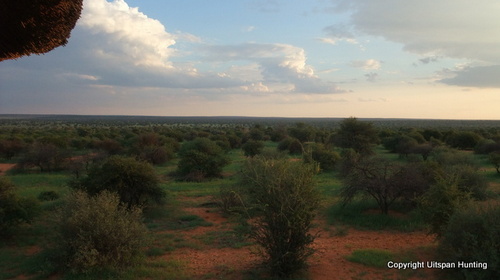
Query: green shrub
{"points": [[473, 235], [48, 196], [252, 148], [13, 209], [135, 181], [200, 159], [326, 158], [98, 232], [285, 197], [440, 202]]}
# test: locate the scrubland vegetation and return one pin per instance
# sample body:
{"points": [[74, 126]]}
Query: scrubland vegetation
{"points": [[103, 197]]}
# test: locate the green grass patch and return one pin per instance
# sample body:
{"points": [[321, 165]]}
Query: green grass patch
{"points": [[371, 257], [365, 215], [225, 239], [31, 185]]}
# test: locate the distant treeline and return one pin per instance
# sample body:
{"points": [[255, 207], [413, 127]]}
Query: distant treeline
{"points": [[20, 119]]}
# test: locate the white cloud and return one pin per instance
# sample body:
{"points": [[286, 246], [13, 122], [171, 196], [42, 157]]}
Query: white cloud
{"points": [[452, 28], [278, 64], [128, 33]]}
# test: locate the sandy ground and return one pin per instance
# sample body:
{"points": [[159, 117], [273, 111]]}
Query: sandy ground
{"points": [[4, 167], [328, 262]]}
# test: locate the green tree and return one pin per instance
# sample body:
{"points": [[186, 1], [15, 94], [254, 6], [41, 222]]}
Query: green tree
{"points": [[464, 140], [252, 148], [302, 132], [326, 158], [383, 180], [134, 181], [46, 156], [201, 158], [494, 158], [284, 194], [357, 135]]}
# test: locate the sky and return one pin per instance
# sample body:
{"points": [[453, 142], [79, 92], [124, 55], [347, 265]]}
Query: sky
{"points": [[269, 58]]}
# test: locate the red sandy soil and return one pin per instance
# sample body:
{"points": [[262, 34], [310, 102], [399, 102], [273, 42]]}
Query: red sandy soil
{"points": [[328, 262], [4, 167]]}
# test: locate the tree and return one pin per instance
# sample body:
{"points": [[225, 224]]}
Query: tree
{"points": [[46, 156], [201, 158], [326, 158], [494, 158], [10, 147], [284, 194], [464, 140], [383, 180], [97, 232], [153, 148], [357, 135], [134, 181], [36, 26], [302, 132], [291, 144], [252, 148]]}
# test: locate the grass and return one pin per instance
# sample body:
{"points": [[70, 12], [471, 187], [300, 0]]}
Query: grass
{"points": [[31, 185], [364, 214], [371, 257], [361, 214]]}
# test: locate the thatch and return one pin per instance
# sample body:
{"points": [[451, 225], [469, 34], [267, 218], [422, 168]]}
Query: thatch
{"points": [[36, 26]]}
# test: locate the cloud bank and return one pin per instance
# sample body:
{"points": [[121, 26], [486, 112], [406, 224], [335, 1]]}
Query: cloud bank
{"points": [[460, 29]]}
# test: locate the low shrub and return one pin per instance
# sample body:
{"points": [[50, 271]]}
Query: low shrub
{"points": [[99, 233], [48, 196], [14, 210], [473, 236], [285, 199], [440, 202]]}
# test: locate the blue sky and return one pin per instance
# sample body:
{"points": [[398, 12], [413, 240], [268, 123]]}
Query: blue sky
{"points": [[288, 58]]}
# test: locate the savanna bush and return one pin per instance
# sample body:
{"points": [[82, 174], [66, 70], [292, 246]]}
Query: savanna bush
{"points": [[134, 181], [99, 232], [284, 196], [201, 158], [14, 210], [473, 234], [441, 201]]}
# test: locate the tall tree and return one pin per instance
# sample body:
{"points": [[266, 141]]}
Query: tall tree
{"points": [[357, 135]]}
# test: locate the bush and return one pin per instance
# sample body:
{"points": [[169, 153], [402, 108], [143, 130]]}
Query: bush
{"points": [[201, 158], [252, 148], [291, 144], [440, 202], [473, 235], [383, 180], [98, 232], [134, 181], [48, 196], [285, 198], [13, 209], [326, 158]]}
